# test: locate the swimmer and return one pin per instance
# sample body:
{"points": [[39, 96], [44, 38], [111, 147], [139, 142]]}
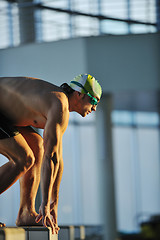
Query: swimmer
{"points": [[28, 102]]}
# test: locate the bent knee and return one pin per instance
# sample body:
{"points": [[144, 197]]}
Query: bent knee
{"points": [[30, 160], [38, 147], [26, 163]]}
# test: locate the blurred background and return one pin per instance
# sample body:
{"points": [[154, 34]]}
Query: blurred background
{"points": [[112, 157]]}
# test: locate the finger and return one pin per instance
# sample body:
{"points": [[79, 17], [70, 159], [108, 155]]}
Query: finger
{"points": [[57, 229], [44, 221], [52, 227], [54, 217], [52, 206], [55, 225], [38, 218], [54, 220], [50, 224]]}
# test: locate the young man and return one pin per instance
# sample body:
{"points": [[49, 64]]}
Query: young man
{"points": [[26, 102]]}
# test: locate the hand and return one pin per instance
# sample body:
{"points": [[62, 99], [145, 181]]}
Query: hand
{"points": [[44, 214], [54, 218]]}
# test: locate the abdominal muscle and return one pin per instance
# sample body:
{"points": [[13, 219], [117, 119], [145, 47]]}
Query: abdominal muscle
{"points": [[34, 121], [26, 118]]}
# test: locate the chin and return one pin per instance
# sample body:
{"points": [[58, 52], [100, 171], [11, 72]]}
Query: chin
{"points": [[83, 114]]}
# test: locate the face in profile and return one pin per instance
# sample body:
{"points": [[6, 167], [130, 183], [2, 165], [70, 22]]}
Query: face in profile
{"points": [[88, 104]]}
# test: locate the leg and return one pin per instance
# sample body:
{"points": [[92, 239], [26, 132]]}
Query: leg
{"points": [[29, 182], [21, 159]]}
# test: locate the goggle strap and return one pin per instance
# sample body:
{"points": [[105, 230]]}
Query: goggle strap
{"points": [[79, 85], [93, 99]]}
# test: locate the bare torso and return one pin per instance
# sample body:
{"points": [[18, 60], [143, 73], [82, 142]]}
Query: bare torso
{"points": [[37, 103], [26, 101]]}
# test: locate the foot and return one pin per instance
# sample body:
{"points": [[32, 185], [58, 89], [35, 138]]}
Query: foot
{"points": [[26, 218], [2, 224]]}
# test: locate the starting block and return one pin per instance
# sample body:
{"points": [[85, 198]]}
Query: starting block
{"points": [[27, 233], [39, 233], [12, 233], [42, 233]]}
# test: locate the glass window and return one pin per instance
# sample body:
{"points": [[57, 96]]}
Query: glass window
{"points": [[135, 118], [85, 6], [80, 179], [122, 117], [89, 175], [114, 8], [85, 26], [4, 30], [144, 118], [51, 25], [143, 10], [139, 28], [124, 178], [9, 25], [149, 170], [137, 170], [114, 27]]}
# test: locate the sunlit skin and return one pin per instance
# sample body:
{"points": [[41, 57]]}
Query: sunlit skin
{"points": [[83, 105], [33, 102]]}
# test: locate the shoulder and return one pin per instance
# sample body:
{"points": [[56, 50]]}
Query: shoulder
{"points": [[60, 102], [59, 108]]}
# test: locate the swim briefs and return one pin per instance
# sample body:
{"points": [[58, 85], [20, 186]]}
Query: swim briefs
{"points": [[7, 129]]}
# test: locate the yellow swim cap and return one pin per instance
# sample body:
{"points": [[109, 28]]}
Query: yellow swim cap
{"points": [[86, 83]]}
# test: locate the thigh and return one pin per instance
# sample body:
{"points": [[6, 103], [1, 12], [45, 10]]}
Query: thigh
{"points": [[33, 139], [15, 148]]}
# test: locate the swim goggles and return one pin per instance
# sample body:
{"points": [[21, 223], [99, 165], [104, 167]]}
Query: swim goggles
{"points": [[93, 101]]}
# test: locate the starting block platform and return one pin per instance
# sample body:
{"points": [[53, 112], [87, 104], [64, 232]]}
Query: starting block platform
{"points": [[27, 233], [42, 233]]}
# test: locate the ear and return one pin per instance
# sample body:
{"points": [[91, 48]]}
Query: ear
{"points": [[77, 94]]}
